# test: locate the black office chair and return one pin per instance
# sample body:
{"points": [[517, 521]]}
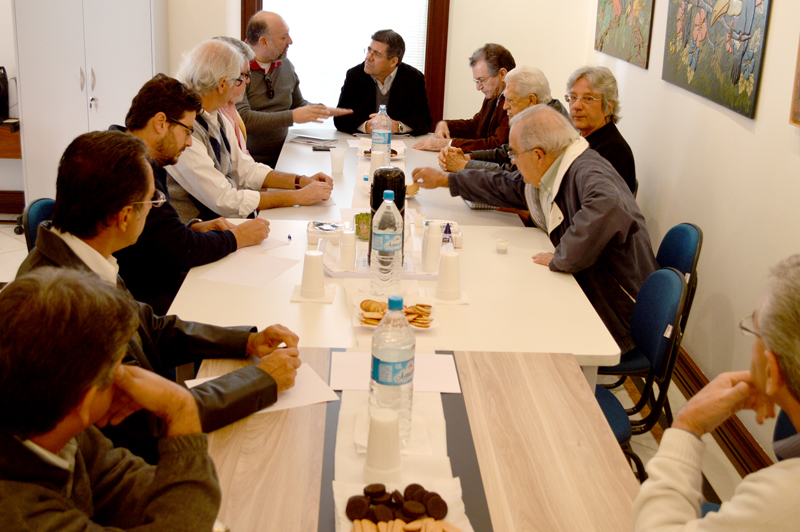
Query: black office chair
{"points": [[680, 250], [656, 330], [34, 214]]}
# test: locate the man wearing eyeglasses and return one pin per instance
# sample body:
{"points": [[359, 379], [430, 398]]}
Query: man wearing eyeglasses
{"points": [[489, 127], [383, 79], [162, 114], [273, 101], [214, 177], [104, 192], [580, 201], [671, 497]]}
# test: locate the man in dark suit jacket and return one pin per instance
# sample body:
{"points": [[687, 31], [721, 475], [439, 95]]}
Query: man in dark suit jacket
{"points": [[383, 79]]}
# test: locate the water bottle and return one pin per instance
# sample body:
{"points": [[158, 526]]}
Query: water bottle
{"points": [[382, 138], [386, 256], [392, 381]]}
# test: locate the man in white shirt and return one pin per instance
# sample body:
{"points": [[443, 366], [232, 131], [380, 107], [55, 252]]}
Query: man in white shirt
{"points": [[767, 499], [214, 177]]}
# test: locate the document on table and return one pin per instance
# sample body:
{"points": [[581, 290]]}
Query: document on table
{"points": [[432, 373], [252, 270], [308, 389]]}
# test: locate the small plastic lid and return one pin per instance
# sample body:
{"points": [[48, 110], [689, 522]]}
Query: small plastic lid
{"points": [[395, 302], [388, 194], [382, 107]]}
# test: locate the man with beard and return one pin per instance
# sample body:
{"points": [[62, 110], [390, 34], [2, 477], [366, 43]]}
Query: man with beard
{"points": [[162, 115]]}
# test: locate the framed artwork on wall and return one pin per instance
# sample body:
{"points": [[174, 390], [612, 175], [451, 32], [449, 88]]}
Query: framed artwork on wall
{"points": [[794, 118], [717, 50], [623, 31]]}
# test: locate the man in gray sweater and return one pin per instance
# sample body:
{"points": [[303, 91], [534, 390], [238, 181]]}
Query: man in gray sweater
{"points": [[273, 101], [57, 471]]}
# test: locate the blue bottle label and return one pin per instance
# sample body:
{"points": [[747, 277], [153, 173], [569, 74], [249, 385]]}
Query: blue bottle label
{"points": [[392, 373], [384, 242], [381, 138]]}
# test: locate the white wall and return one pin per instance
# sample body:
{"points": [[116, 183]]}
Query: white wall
{"points": [[10, 169], [738, 179], [193, 21]]}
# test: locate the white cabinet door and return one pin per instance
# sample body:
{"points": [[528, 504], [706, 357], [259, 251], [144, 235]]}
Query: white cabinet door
{"points": [[119, 57], [52, 87]]}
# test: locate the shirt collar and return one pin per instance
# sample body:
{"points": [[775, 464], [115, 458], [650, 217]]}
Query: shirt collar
{"points": [[106, 269], [549, 177], [262, 67], [65, 459], [387, 83]]}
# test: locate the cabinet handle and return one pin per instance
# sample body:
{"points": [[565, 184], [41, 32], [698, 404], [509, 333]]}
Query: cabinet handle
{"points": [[92, 102], [83, 78], [93, 79]]}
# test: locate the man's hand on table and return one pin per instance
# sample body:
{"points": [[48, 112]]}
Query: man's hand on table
{"points": [[430, 177], [543, 258], [453, 159], [720, 399], [220, 224], [432, 144], [314, 193], [441, 131], [136, 388], [250, 233], [319, 176], [368, 124], [282, 366], [264, 342]]}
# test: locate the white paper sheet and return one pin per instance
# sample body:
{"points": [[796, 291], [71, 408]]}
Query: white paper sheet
{"points": [[432, 372], [249, 269], [265, 245], [308, 389]]}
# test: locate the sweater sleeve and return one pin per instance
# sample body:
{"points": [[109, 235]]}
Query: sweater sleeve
{"points": [[261, 122], [351, 97], [498, 188]]}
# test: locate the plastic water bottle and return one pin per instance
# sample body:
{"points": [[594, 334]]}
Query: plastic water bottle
{"points": [[392, 381], [386, 256], [382, 137]]}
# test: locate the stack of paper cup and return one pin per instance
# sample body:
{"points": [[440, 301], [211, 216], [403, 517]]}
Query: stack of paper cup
{"points": [[347, 251], [383, 447], [337, 160], [431, 247], [419, 223], [313, 284], [449, 285]]}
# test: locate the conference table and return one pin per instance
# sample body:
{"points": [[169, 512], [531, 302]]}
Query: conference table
{"points": [[546, 456], [513, 304]]}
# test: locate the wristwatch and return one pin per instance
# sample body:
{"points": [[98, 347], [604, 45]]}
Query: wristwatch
{"points": [[400, 127]]}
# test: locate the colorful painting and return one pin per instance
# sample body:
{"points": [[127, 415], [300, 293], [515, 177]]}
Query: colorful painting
{"points": [[795, 117], [623, 29], [715, 48]]}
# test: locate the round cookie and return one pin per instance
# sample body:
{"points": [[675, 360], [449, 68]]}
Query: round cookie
{"points": [[383, 499], [410, 489], [383, 513], [374, 490], [398, 498], [436, 507], [357, 507], [414, 509]]}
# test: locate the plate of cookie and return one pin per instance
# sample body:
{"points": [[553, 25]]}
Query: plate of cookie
{"points": [[395, 154], [370, 313]]}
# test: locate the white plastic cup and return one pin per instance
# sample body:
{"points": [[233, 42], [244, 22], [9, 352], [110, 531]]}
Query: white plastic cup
{"points": [[347, 251], [313, 276], [501, 245], [432, 246], [375, 162], [383, 447], [448, 287], [337, 160]]}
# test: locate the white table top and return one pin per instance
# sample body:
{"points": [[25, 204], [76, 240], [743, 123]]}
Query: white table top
{"points": [[514, 304]]}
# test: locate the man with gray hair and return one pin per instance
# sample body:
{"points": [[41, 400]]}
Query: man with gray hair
{"points": [[577, 197], [765, 500], [214, 177], [273, 101], [525, 87]]}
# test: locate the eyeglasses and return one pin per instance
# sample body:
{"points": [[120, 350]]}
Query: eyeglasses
{"points": [[748, 325], [270, 88], [514, 155], [481, 81], [190, 130], [158, 199], [585, 100], [238, 81], [377, 55]]}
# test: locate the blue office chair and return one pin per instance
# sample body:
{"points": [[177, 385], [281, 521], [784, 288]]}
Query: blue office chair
{"points": [[656, 330], [680, 250], [37, 212]]}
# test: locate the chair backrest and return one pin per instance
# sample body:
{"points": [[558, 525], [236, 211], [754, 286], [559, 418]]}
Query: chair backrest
{"points": [[680, 249], [37, 212], [656, 322]]}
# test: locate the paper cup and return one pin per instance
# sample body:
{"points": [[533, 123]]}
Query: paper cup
{"points": [[313, 284], [337, 160], [448, 287], [501, 245], [383, 447]]}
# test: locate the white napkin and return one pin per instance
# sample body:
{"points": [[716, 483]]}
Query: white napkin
{"points": [[330, 293], [418, 444]]}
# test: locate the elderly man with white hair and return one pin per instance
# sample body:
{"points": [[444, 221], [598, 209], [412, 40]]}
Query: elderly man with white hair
{"points": [[214, 177], [525, 87], [671, 497], [577, 197]]}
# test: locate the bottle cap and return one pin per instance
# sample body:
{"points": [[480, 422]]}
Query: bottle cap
{"points": [[395, 302], [388, 194]]}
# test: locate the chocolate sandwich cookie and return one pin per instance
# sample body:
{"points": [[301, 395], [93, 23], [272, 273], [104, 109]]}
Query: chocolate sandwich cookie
{"points": [[436, 507], [410, 489], [398, 498], [383, 513], [414, 509], [383, 499], [374, 490], [357, 507]]}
